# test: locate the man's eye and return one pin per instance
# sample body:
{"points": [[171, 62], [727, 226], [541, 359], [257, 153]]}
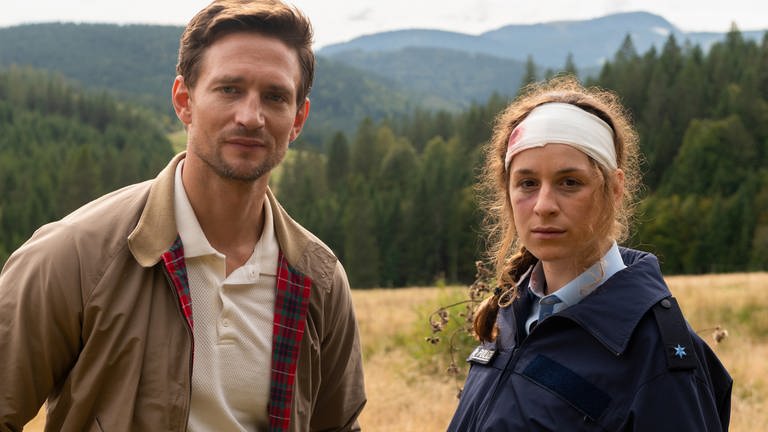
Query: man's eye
{"points": [[228, 90], [276, 98]]}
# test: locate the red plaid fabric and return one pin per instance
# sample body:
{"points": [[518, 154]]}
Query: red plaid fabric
{"points": [[291, 303], [177, 271]]}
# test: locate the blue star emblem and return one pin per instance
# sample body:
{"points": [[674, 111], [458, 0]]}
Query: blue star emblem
{"points": [[680, 351]]}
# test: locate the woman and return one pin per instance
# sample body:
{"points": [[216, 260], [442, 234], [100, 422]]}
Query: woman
{"points": [[581, 334]]}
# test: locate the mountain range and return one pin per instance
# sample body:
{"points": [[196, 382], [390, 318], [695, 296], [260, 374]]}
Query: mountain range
{"points": [[590, 42], [378, 75]]}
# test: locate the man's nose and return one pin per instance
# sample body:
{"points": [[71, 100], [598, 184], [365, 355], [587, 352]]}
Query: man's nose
{"points": [[250, 113]]}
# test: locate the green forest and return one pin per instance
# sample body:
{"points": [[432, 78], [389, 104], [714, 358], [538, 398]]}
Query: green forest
{"points": [[396, 201], [395, 198], [61, 147]]}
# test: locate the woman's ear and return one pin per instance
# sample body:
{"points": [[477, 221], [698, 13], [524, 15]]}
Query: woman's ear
{"points": [[618, 185]]}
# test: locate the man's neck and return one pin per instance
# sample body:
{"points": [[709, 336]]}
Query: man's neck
{"points": [[230, 212]]}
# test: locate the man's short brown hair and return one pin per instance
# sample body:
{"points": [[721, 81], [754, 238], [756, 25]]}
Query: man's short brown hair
{"points": [[267, 17]]}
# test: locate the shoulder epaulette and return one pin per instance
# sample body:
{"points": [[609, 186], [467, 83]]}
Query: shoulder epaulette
{"points": [[675, 335]]}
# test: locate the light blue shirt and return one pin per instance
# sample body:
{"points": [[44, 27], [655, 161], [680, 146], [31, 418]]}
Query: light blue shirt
{"points": [[578, 288]]}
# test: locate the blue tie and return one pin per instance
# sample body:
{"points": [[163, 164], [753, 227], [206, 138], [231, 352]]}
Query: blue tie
{"points": [[547, 306]]}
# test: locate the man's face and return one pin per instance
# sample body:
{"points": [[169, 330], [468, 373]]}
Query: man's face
{"points": [[242, 112]]}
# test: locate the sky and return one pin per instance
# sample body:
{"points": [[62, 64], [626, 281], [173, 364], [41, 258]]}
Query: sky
{"points": [[341, 20]]}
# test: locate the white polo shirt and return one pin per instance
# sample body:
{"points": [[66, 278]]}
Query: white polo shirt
{"points": [[233, 318]]}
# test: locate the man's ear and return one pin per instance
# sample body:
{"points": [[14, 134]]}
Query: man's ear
{"points": [[181, 100], [300, 119]]}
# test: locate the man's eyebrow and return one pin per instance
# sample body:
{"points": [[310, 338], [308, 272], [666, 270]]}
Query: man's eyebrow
{"points": [[228, 79], [237, 79], [279, 88]]}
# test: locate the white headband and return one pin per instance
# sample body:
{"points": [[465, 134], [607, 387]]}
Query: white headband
{"points": [[562, 123]]}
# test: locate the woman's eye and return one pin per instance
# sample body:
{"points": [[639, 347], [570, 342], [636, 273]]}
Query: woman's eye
{"points": [[570, 182]]}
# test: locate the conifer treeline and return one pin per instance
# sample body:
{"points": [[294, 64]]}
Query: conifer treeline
{"points": [[396, 200], [61, 147], [703, 123]]}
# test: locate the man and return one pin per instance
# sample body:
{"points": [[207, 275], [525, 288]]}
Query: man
{"points": [[192, 301]]}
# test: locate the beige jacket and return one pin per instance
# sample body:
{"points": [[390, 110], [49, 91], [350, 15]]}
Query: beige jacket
{"points": [[90, 322]]}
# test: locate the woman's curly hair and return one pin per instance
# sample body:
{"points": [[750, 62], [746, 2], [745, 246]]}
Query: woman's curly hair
{"points": [[510, 258]]}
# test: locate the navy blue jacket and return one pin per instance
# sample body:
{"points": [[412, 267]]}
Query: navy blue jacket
{"points": [[600, 365]]}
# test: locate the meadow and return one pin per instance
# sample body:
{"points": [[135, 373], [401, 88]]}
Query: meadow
{"points": [[409, 389]]}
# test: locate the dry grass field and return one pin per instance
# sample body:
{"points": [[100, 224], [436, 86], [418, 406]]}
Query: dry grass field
{"points": [[407, 392], [406, 396]]}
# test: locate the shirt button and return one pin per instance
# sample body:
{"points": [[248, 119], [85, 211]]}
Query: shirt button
{"points": [[225, 323]]}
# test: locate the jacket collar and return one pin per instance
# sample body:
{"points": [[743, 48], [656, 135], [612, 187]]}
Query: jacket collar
{"points": [[156, 232], [305, 252], [614, 309]]}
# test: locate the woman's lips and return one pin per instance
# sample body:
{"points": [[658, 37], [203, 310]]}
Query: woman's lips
{"points": [[547, 232]]}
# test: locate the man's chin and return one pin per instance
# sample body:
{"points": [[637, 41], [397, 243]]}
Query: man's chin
{"points": [[243, 175], [242, 172]]}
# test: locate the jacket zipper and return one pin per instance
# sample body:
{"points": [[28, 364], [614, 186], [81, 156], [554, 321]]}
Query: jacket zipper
{"points": [[502, 374], [506, 372], [192, 348]]}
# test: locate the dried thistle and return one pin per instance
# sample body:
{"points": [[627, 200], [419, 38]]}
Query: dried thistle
{"points": [[453, 370], [439, 319], [719, 334]]}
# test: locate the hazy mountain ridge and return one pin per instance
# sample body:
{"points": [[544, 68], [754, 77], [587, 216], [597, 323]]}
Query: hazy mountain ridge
{"points": [[589, 41], [459, 77], [386, 74]]}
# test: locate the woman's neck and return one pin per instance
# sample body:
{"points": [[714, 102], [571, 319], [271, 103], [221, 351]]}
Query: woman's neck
{"points": [[558, 273]]}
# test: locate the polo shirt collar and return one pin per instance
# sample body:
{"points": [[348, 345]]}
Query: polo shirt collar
{"points": [[192, 236], [262, 261]]}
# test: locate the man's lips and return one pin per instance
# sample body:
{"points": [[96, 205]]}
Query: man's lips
{"points": [[245, 141]]}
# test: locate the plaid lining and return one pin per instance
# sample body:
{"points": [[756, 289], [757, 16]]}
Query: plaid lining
{"points": [[177, 271], [291, 303]]}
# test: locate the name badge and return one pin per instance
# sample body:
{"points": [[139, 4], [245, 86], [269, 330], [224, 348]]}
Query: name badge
{"points": [[482, 355]]}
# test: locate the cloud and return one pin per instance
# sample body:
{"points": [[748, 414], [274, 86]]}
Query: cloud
{"points": [[362, 15]]}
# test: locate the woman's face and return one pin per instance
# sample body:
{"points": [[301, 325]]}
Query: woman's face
{"points": [[557, 204]]}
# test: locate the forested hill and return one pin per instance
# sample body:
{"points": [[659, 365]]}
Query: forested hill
{"points": [[132, 60], [138, 63], [378, 76], [61, 147], [396, 200]]}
